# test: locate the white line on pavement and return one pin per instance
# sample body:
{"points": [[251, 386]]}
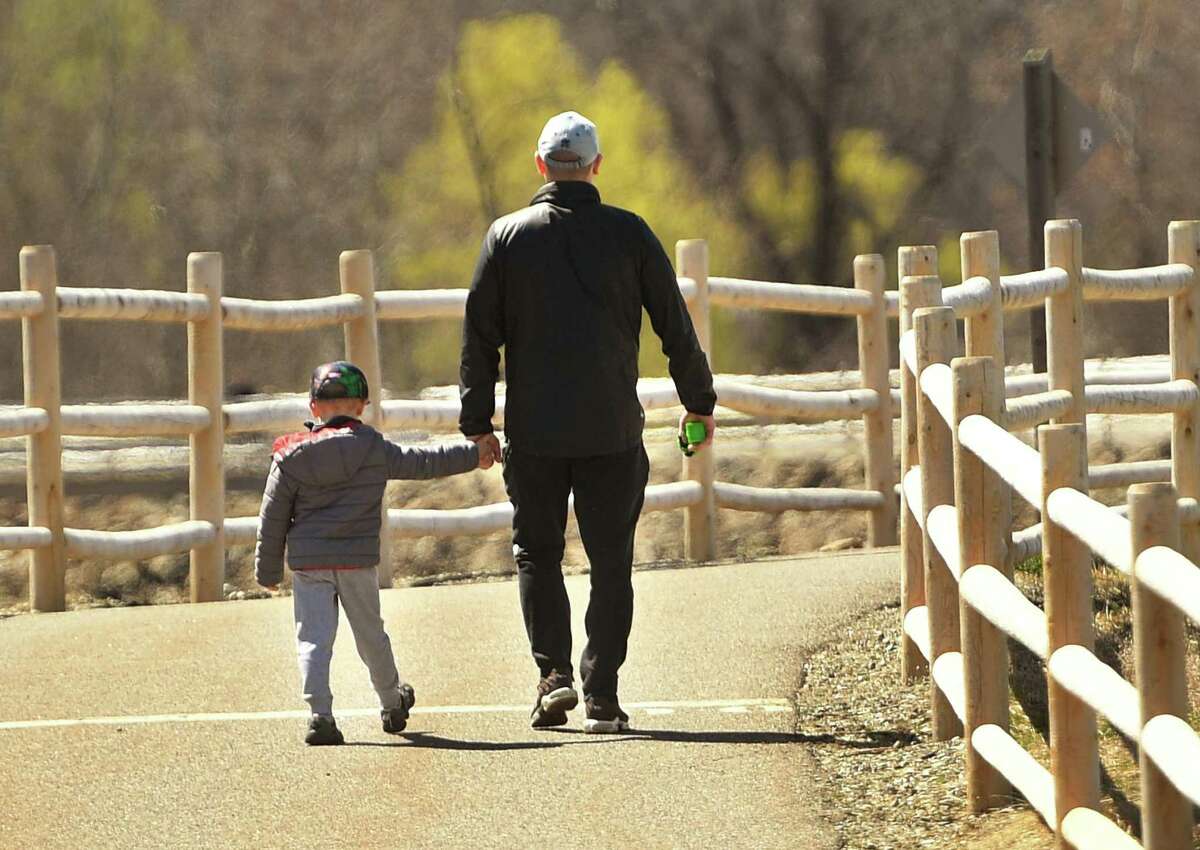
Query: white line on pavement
{"points": [[738, 706]]}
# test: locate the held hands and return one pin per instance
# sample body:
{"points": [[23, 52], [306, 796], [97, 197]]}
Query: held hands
{"points": [[710, 428], [489, 449]]}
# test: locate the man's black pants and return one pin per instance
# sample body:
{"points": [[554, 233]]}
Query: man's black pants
{"points": [[609, 491]]}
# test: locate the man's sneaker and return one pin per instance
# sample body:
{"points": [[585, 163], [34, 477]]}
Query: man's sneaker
{"points": [[323, 732], [395, 719], [555, 697], [604, 716]]}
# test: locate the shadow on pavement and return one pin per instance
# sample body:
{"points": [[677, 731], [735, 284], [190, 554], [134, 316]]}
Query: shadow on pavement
{"points": [[871, 740], [424, 740]]}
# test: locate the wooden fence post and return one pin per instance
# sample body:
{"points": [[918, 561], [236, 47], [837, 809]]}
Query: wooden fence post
{"points": [[979, 253], [980, 256], [919, 287], [1160, 656], [357, 273], [1067, 576], [982, 523], [936, 339], [43, 457], [1064, 320], [700, 521], [913, 261], [878, 464], [1183, 246], [206, 388]]}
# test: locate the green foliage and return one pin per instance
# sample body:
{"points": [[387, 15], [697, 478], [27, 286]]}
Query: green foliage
{"points": [[77, 110], [875, 183], [1031, 566], [93, 117], [780, 195], [949, 261], [478, 164]]}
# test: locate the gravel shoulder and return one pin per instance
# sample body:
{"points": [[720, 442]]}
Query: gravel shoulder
{"points": [[884, 783]]}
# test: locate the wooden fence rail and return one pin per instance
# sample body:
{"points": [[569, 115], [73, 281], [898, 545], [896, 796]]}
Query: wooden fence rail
{"points": [[969, 597], [205, 418]]}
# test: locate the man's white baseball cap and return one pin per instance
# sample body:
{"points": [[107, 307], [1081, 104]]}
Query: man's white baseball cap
{"points": [[569, 141]]}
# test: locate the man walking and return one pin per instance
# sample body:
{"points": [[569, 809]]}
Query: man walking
{"points": [[560, 286]]}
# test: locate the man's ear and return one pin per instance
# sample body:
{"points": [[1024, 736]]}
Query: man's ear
{"points": [[540, 164], [312, 407], [596, 164]]}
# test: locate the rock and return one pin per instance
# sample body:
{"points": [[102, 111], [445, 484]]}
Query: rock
{"points": [[228, 588], [170, 569], [842, 544], [119, 579]]}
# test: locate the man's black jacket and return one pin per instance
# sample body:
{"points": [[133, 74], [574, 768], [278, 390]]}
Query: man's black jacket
{"points": [[560, 285]]}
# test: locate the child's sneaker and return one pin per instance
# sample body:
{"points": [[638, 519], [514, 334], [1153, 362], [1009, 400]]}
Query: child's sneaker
{"points": [[604, 716], [395, 719], [323, 732], [555, 697]]}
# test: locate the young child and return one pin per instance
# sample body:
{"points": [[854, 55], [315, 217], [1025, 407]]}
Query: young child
{"points": [[324, 499]]}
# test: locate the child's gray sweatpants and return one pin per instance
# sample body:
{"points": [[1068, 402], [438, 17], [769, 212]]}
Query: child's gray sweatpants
{"points": [[315, 596]]}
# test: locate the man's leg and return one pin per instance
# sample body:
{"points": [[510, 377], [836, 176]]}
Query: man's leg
{"points": [[359, 593], [538, 488], [314, 601], [609, 492]]}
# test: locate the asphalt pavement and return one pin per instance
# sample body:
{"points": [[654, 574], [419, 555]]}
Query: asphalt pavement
{"points": [[181, 726]]}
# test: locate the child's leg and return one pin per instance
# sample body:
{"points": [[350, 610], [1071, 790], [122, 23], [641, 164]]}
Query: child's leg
{"points": [[314, 600], [359, 591]]}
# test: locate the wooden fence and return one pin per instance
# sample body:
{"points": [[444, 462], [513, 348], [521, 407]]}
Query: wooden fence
{"points": [[961, 463], [206, 418]]}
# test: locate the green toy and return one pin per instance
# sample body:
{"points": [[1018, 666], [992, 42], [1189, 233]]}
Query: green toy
{"points": [[694, 433]]}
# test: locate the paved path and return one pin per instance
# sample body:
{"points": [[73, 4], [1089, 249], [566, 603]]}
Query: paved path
{"points": [[191, 729]]}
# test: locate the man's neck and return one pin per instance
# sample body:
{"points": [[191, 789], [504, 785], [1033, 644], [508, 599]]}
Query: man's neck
{"points": [[584, 179]]}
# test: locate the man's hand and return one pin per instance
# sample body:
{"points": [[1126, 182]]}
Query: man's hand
{"points": [[489, 449], [710, 427]]}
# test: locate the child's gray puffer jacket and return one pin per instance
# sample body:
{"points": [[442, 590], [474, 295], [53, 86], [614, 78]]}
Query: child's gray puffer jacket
{"points": [[324, 494]]}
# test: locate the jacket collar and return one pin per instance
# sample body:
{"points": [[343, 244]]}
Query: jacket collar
{"points": [[567, 193], [335, 422]]}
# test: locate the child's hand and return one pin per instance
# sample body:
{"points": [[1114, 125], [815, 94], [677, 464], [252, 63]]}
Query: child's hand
{"points": [[489, 449]]}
